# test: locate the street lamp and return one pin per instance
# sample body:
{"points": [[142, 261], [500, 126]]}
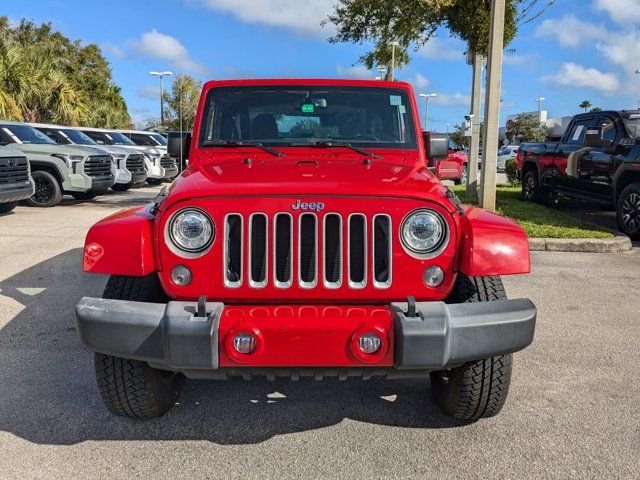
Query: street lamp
{"points": [[161, 74], [426, 97], [382, 70], [540, 100], [638, 73], [393, 59]]}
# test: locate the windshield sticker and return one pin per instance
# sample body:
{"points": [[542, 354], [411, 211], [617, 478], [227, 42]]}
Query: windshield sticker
{"points": [[402, 109], [307, 108], [395, 100], [634, 116], [577, 133]]}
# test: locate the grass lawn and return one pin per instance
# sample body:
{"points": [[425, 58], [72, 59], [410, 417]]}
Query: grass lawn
{"points": [[537, 220]]}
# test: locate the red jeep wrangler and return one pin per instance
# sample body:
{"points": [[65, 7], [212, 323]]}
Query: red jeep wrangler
{"points": [[306, 239]]}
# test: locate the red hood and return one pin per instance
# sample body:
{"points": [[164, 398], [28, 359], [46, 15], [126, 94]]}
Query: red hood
{"points": [[322, 172]]}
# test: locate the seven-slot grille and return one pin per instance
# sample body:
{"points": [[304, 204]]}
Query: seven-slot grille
{"points": [[14, 170], [309, 250], [98, 166], [135, 163]]}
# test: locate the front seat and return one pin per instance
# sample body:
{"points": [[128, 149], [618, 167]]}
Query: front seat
{"points": [[264, 127]]}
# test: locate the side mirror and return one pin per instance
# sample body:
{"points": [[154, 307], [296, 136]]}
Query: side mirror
{"points": [[437, 146], [178, 144], [594, 137]]}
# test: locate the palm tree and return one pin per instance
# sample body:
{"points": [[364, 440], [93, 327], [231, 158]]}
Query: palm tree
{"points": [[585, 105]]}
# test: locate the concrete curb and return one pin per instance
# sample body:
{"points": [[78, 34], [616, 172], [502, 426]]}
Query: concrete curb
{"points": [[586, 245]]}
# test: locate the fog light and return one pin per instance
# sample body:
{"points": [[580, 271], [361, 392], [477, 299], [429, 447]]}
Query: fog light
{"points": [[369, 343], [181, 275], [433, 276], [244, 343]]}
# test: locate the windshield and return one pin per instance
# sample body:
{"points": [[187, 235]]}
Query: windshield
{"points": [[632, 122], [160, 139], [77, 137], [109, 138], [27, 134], [283, 115]]}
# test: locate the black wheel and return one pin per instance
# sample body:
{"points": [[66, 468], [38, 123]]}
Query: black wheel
{"points": [[47, 192], [121, 187], [154, 181], [7, 207], [477, 389], [463, 176], [85, 195], [628, 211], [530, 187], [130, 388]]}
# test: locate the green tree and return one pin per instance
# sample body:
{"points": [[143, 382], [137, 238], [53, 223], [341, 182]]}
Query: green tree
{"points": [[413, 22], [66, 81], [458, 137], [182, 98], [527, 128], [585, 105], [595, 110]]}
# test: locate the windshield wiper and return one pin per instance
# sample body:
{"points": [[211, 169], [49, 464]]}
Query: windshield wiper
{"points": [[325, 144], [241, 143]]}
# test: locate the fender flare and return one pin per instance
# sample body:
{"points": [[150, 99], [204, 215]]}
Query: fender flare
{"points": [[492, 245], [624, 168], [121, 244]]}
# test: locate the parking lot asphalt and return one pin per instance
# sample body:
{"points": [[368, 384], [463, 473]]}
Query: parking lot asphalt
{"points": [[573, 410]]}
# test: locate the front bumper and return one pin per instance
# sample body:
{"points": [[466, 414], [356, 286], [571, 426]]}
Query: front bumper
{"points": [[123, 176], [99, 184], [172, 336], [14, 192], [170, 172]]}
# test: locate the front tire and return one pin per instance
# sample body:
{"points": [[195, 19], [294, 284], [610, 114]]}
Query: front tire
{"points": [[477, 389], [154, 181], [463, 176], [7, 207], [131, 388], [47, 192], [531, 187], [121, 187], [628, 211]]}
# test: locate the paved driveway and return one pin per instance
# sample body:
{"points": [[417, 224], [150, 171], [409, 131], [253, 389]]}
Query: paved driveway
{"points": [[573, 411]]}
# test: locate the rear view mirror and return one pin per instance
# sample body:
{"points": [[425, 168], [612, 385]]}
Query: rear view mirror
{"points": [[437, 146], [178, 145], [594, 137]]}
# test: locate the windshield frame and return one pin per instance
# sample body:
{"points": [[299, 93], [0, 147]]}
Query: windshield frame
{"points": [[409, 120]]}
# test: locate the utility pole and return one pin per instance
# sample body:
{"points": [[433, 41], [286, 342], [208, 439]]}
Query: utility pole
{"points": [[477, 61], [393, 60], [492, 106], [426, 109], [540, 100], [161, 74]]}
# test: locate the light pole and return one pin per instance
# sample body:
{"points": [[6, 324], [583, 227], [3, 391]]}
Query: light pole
{"points": [[426, 97], [540, 100], [161, 74], [638, 73], [448, 125], [393, 59], [381, 69]]}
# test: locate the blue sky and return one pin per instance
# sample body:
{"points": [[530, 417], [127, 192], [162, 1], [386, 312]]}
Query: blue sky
{"points": [[578, 50]]}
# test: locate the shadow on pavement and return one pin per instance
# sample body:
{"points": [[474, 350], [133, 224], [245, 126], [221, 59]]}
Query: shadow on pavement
{"points": [[48, 392]]}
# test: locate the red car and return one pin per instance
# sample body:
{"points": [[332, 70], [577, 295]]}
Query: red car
{"points": [[453, 167], [306, 238]]}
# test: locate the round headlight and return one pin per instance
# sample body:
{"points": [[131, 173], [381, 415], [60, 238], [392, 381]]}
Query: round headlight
{"points": [[423, 231], [191, 230]]}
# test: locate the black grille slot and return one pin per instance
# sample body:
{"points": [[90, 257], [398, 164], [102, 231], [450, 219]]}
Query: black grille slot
{"points": [[283, 233], [308, 248], [98, 166], [381, 249], [233, 250], [357, 250], [167, 162], [258, 249], [14, 170], [333, 249]]}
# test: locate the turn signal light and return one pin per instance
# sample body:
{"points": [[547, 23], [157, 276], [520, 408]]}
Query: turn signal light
{"points": [[369, 343], [244, 343]]}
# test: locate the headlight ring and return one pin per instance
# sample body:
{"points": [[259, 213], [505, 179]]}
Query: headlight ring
{"points": [[424, 233], [191, 231]]}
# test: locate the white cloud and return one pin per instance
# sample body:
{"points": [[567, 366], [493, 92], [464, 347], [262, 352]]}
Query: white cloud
{"points": [[304, 17], [452, 99], [355, 71], [624, 12], [622, 49], [113, 50], [437, 49], [573, 75], [569, 31], [149, 93], [165, 47], [420, 82]]}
